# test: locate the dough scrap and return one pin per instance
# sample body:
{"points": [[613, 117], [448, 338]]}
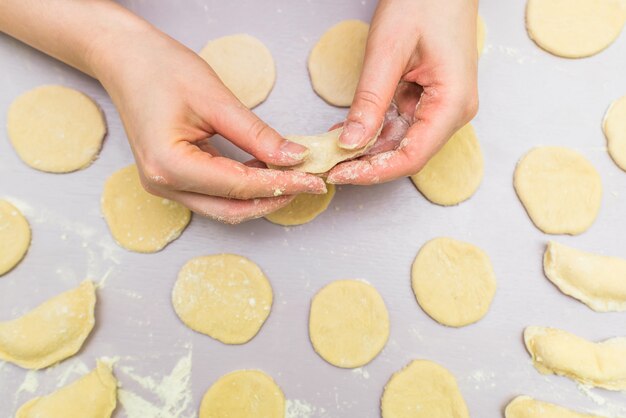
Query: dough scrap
{"points": [[56, 129], [554, 351], [455, 172], [51, 332], [423, 389], [348, 323], [481, 33], [243, 394], [138, 220], [336, 61], [92, 396], [453, 281], [14, 236], [575, 28], [245, 66], [304, 208], [560, 190], [224, 296], [527, 407], [614, 127], [597, 281]]}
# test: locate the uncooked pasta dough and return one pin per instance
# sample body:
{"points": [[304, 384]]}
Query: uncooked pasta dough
{"points": [[423, 389], [244, 65], [527, 407], [56, 129], [304, 208], [453, 281], [224, 296], [51, 332], [575, 28], [348, 323], [138, 220], [481, 32], [455, 172], [92, 396], [614, 127], [336, 61], [14, 236], [560, 190], [596, 364], [596, 280], [243, 394]]}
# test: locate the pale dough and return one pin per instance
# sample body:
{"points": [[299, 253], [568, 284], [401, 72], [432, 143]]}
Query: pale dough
{"points": [[56, 129], [244, 65], [614, 127], [481, 32], [453, 281], [243, 394], [336, 61], [554, 351], [51, 332], [596, 280], [92, 396], [304, 208], [455, 172], [560, 190], [348, 323], [575, 28], [14, 236], [138, 220], [423, 389], [527, 407], [224, 296]]}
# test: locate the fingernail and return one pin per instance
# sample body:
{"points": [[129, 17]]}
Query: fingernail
{"points": [[352, 136], [294, 151]]}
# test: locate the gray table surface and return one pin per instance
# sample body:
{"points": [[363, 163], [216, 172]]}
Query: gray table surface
{"points": [[528, 98]]}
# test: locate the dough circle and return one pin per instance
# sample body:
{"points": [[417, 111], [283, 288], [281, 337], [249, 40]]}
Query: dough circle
{"points": [[481, 33], [423, 389], [453, 281], [527, 407], [348, 323], [560, 190], [614, 127], [243, 394], [224, 296], [304, 208], [455, 172], [56, 129], [244, 65], [575, 28], [336, 61], [14, 236], [138, 220]]}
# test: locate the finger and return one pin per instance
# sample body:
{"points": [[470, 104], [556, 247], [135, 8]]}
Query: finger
{"points": [[394, 130]]}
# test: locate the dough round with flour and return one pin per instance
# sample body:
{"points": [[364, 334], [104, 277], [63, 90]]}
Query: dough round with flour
{"points": [[614, 127], [453, 281], [560, 190], [14, 236], [137, 220], [423, 389], [243, 394], [336, 61], [575, 28], [56, 129], [527, 407], [348, 323], [304, 208], [224, 296], [455, 172], [244, 65]]}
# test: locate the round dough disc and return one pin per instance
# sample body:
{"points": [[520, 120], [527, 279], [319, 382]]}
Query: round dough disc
{"points": [[453, 281], [336, 61], [455, 172], [224, 296], [615, 131], [348, 323], [56, 129], [14, 236], [244, 65], [423, 389], [243, 394], [575, 28], [560, 190], [304, 208], [137, 220], [481, 32]]}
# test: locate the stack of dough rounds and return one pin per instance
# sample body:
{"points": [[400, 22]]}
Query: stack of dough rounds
{"points": [[14, 236], [304, 208], [614, 127], [527, 407], [56, 129]]}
